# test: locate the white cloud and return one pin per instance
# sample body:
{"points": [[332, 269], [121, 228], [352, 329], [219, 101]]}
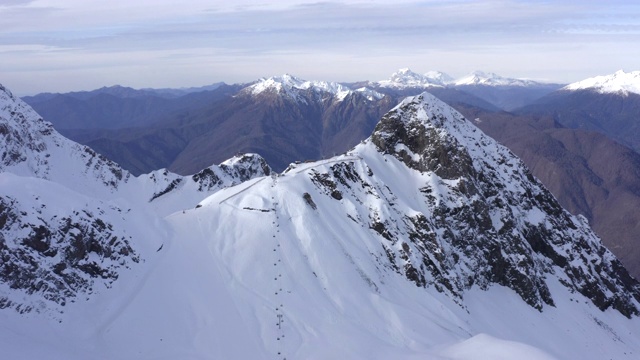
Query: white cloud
{"points": [[247, 39]]}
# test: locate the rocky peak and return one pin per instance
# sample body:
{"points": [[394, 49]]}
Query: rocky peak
{"points": [[492, 213], [236, 170], [247, 166], [419, 132]]}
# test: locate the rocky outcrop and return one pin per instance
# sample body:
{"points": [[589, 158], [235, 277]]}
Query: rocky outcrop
{"points": [[58, 257], [486, 219]]}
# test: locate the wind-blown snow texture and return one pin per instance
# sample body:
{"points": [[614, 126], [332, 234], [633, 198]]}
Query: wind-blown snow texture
{"points": [[428, 240], [618, 82]]}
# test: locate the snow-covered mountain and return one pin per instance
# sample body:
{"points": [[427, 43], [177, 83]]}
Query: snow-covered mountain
{"points": [[291, 87], [427, 240], [70, 217], [491, 79], [405, 78], [478, 89], [607, 104], [619, 82]]}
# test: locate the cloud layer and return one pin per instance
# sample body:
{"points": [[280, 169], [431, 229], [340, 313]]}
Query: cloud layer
{"points": [[62, 45]]}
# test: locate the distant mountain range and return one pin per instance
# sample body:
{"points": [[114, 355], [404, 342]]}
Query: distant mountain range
{"points": [[143, 131], [497, 92]]}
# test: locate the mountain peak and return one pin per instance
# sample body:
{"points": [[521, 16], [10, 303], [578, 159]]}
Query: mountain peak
{"points": [[429, 136], [439, 77], [491, 79], [405, 78], [292, 86], [414, 123], [284, 82], [619, 82]]}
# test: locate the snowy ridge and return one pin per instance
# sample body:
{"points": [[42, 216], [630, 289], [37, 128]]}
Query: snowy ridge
{"points": [[291, 86], [63, 207], [619, 82], [31, 147], [405, 78], [172, 192], [491, 79], [429, 136]]}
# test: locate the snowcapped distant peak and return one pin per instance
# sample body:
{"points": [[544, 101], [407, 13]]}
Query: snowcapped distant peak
{"points": [[618, 82], [405, 78], [491, 79], [291, 86], [405, 73], [438, 77], [276, 83]]}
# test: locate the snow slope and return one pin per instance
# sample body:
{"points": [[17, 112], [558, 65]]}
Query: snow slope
{"points": [[426, 241], [618, 82]]}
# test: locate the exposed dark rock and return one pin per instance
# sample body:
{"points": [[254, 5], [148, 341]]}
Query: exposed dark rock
{"points": [[307, 198], [587, 172], [172, 186], [58, 257], [487, 220], [324, 181]]}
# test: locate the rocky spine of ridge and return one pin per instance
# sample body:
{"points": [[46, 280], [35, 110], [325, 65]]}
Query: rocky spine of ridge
{"points": [[229, 173], [487, 219]]}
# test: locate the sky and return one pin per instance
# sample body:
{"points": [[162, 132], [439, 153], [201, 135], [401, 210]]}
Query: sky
{"points": [[72, 45]]}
